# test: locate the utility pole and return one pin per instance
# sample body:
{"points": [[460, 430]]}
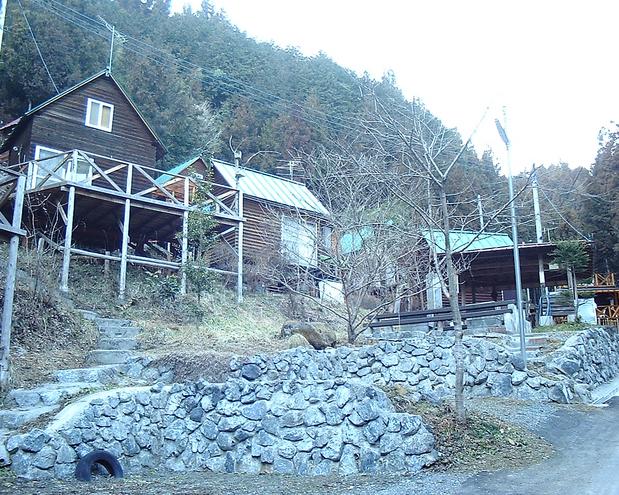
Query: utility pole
{"points": [[114, 34], [544, 317], [510, 181], [239, 267]]}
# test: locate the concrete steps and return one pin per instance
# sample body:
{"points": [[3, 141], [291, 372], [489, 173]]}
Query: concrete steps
{"points": [[108, 356], [117, 340], [98, 374], [119, 332], [12, 419], [50, 394]]}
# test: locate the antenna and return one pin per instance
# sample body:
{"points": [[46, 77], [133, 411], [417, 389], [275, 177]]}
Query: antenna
{"points": [[121, 38]]}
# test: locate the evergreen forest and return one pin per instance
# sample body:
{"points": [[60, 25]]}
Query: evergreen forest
{"points": [[208, 88]]}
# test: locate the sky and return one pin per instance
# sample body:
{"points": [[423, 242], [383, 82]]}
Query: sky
{"points": [[551, 64]]}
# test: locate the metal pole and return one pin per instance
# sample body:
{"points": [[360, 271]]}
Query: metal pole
{"points": [[9, 288], [542, 319], [510, 181]]}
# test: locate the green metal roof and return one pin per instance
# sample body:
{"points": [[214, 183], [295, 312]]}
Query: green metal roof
{"points": [[467, 240], [176, 169]]}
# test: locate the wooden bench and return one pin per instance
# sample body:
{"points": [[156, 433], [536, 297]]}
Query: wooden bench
{"points": [[438, 315]]}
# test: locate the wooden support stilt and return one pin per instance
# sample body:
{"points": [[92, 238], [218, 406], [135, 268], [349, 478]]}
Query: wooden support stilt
{"points": [[9, 288], [125, 238], [106, 266], [184, 240], [68, 236], [239, 269]]}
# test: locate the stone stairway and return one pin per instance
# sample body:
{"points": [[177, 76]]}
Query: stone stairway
{"points": [[117, 341], [534, 343]]}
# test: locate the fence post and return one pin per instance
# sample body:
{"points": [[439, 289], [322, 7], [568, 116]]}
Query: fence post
{"points": [[9, 289]]}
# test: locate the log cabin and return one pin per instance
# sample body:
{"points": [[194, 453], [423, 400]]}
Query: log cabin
{"points": [[282, 217], [90, 158]]}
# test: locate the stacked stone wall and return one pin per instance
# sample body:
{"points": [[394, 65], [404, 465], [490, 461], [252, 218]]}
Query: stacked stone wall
{"points": [[590, 357], [425, 365], [292, 427]]}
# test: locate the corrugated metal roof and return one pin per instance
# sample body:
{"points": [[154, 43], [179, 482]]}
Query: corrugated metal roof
{"points": [[271, 188], [461, 239]]}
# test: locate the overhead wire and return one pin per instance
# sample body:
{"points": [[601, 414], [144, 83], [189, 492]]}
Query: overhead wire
{"points": [[230, 84], [23, 12]]}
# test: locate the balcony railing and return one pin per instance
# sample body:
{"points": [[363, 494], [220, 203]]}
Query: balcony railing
{"points": [[128, 180]]}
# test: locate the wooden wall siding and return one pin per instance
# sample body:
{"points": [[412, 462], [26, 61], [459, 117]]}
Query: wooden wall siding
{"points": [[19, 152], [61, 126]]}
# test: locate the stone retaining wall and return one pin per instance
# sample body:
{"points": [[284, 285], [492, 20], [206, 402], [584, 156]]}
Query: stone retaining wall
{"points": [[426, 365], [290, 427], [590, 357]]}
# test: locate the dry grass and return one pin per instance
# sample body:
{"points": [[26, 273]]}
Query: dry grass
{"points": [[46, 336], [482, 443]]}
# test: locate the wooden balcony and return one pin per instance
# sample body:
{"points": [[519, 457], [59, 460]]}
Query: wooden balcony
{"points": [[119, 211], [96, 175]]}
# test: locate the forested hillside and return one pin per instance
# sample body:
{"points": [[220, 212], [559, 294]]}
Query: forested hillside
{"points": [[206, 87]]}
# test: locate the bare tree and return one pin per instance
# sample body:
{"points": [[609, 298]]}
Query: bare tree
{"points": [[420, 156], [357, 250]]}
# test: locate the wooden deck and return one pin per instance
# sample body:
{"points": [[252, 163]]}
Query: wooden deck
{"points": [[90, 205]]}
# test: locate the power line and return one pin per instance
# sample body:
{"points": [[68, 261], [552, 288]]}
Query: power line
{"points": [[230, 84], [563, 218], [21, 7]]}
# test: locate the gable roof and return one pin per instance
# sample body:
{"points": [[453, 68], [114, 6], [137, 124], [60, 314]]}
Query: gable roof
{"points": [[467, 240], [17, 123], [263, 186], [178, 169]]}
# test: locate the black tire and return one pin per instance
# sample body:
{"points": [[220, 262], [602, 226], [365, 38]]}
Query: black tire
{"points": [[83, 470]]}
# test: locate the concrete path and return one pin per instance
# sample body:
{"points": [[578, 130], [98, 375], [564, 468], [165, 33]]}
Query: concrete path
{"points": [[587, 460]]}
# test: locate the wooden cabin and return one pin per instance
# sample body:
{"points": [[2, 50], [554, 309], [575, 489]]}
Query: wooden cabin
{"points": [[91, 164], [281, 217], [95, 116]]}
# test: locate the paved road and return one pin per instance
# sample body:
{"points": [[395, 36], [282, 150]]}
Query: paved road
{"points": [[587, 460]]}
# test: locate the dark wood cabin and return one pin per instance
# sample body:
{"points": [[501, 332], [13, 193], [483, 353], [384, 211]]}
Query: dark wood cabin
{"points": [[95, 116], [91, 162], [277, 213]]}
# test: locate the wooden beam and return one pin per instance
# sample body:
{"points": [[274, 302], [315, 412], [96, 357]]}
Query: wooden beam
{"points": [[68, 235], [184, 240], [125, 238], [9, 288]]}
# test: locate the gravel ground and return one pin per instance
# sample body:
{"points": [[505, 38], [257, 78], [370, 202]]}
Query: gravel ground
{"points": [[528, 414], [226, 484]]}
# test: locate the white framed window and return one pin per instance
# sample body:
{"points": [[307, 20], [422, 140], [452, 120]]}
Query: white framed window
{"points": [[299, 241], [99, 115], [46, 161]]}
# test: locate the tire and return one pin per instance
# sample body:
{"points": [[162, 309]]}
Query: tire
{"points": [[83, 470]]}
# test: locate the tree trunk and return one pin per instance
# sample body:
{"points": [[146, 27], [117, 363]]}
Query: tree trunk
{"points": [[575, 289], [452, 278]]}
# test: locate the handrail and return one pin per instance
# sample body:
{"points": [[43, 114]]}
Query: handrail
{"points": [[154, 191]]}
